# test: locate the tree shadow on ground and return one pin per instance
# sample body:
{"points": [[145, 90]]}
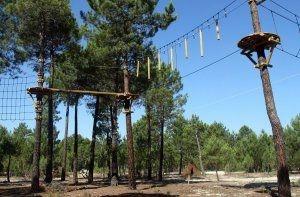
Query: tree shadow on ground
{"points": [[14, 183], [19, 191], [263, 187], [173, 182], [142, 195]]}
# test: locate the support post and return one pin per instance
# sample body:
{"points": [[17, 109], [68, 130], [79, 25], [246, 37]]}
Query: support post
{"points": [[114, 144], [65, 152], [93, 142], [284, 187], [127, 107], [35, 185], [49, 164], [149, 154]]}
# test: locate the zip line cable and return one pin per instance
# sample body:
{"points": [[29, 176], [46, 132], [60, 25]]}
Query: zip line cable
{"points": [[284, 8], [275, 26], [286, 18], [289, 11], [289, 53], [223, 13], [278, 14], [248, 91], [211, 64]]}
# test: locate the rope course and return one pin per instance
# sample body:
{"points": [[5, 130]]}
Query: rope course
{"points": [[15, 103], [170, 49], [289, 53], [213, 20], [294, 20]]}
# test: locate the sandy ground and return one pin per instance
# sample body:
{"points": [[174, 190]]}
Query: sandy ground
{"points": [[235, 184]]}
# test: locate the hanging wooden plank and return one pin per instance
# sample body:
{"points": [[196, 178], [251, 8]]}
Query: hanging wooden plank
{"points": [[138, 69], [218, 30], [201, 42], [172, 58], [186, 49], [149, 68], [159, 61]]}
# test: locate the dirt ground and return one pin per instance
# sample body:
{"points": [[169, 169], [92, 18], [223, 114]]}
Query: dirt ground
{"points": [[235, 184]]}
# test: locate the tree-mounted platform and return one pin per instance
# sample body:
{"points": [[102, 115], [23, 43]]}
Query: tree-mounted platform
{"points": [[257, 42], [49, 91]]}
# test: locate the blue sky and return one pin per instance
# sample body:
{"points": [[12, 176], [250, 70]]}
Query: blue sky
{"points": [[230, 91]]}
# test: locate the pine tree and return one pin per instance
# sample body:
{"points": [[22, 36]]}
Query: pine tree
{"points": [[11, 56], [45, 28], [119, 33], [166, 101], [70, 75]]}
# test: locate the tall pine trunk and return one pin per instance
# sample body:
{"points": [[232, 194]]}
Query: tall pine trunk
{"points": [[8, 169], [108, 152], [161, 147], [180, 160], [65, 152], [149, 155], [218, 179], [35, 185], [131, 168], [129, 135], [284, 185], [49, 154], [114, 139], [75, 153], [93, 142], [200, 155]]}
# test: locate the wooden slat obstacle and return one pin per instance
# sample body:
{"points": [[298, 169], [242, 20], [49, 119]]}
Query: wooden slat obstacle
{"points": [[259, 42]]}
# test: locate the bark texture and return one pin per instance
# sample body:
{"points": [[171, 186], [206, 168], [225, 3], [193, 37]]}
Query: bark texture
{"points": [[161, 148], [114, 139], [75, 153], [35, 187], [284, 185], [64, 160], [149, 155], [93, 143], [131, 169]]}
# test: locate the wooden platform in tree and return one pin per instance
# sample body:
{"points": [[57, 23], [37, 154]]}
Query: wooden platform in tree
{"points": [[257, 41]]}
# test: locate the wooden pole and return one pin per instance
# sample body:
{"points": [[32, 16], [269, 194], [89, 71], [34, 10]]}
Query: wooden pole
{"points": [[127, 107], [93, 142], [47, 91], [75, 150], [65, 152], [114, 144], [49, 164], [35, 186], [284, 187], [149, 154]]}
